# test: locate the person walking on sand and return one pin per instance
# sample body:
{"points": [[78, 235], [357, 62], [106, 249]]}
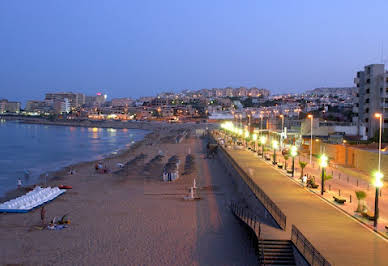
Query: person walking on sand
{"points": [[19, 183]]}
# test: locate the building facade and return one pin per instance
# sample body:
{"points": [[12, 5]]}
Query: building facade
{"points": [[372, 95]]}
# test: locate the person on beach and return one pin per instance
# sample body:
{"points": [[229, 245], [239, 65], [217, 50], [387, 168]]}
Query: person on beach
{"points": [[42, 216], [19, 183]]}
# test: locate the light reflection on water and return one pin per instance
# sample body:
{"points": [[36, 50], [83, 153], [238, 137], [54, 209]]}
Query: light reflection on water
{"points": [[38, 148]]}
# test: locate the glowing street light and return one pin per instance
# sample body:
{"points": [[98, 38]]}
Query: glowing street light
{"points": [[263, 140], [254, 138], [323, 163], [275, 146], [293, 153], [311, 139], [378, 175]]}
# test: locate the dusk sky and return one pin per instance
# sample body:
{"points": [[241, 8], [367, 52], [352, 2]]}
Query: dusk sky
{"points": [[139, 48]]}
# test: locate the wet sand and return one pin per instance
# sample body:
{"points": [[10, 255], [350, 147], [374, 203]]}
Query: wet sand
{"points": [[131, 217]]}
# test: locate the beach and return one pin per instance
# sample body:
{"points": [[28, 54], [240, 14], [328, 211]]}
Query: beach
{"points": [[129, 216]]}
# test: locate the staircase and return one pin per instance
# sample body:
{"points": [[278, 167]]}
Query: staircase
{"points": [[276, 252]]}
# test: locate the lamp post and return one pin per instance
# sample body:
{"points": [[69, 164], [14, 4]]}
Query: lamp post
{"points": [[275, 145], [246, 136], [254, 138], [249, 122], [378, 175], [263, 140], [378, 184], [323, 163], [261, 124], [293, 153], [311, 138], [282, 117]]}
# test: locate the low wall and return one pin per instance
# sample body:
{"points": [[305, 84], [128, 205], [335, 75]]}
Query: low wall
{"points": [[348, 156]]}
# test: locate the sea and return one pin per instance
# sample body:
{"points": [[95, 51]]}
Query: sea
{"points": [[29, 150]]}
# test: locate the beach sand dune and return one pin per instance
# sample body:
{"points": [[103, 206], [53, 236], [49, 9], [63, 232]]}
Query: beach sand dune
{"points": [[143, 221]]}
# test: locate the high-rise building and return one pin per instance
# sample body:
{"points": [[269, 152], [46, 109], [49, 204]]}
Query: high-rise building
{"points": [[9, 107], [372, 94], [62, 107], [61, 96]]}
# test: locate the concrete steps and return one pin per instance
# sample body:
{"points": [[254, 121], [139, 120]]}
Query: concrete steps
{"points": [[276, 252]]}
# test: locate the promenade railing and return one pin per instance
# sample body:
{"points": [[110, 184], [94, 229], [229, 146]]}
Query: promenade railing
{"points": [[307, 249], [271, 207], [252, 221]]}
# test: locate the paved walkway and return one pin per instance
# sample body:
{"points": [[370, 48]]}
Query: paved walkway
{"points": [[339, 238]]}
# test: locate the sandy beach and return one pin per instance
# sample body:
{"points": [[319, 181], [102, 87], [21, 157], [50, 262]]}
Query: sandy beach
{"points": [[129, 216]]}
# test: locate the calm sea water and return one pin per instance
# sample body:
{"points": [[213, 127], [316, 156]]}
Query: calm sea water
{"points": [[41, 148]]}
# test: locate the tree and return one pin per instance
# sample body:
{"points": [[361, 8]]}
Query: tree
{"points": [[302, 166], [361, 195], [328, 177]]}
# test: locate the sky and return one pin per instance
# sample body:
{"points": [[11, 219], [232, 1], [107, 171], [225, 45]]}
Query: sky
{"points": [[135, 48]]}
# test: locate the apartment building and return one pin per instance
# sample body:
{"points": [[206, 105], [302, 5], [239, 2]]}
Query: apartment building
{"points": [[372, 95]]}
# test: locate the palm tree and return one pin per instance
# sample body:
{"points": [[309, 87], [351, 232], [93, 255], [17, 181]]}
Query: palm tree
{"points": [[361, 195], [328, 177], [302, 166]]}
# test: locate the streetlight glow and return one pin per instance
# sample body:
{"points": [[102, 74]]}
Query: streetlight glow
{"points": [[275, 144], [294, 151], [323, 161], [254, 137], [263, 140], [378, 179]]}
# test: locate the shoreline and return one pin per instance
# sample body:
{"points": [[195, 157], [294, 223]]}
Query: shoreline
{"points": [[145, 125], [55, 174]]}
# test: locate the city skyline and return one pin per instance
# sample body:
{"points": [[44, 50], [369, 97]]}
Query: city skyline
{"points": [[138, 49]]}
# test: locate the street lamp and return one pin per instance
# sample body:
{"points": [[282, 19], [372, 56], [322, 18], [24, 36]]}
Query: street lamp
{"points": [[263, 140], [311, 139], [282, 117], [261, 124], [249, 122], [293, 153], [378, 175], [254, 138], [323, 163], [275, 146], [380, 117], [378, 184]]}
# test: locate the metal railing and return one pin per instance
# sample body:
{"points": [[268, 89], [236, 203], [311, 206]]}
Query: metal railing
{"points": [[252, 221], [271, 207], [307, 249]]}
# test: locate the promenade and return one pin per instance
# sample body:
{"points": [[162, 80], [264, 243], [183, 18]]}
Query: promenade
{"points": [[338, 237]]}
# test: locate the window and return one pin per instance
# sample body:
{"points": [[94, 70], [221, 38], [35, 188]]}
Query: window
{"points": [[367, 91], [367, 81], [367, 100], [385, 121], [367, 110], [366, 120], [367, 129], [358, 95]]}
